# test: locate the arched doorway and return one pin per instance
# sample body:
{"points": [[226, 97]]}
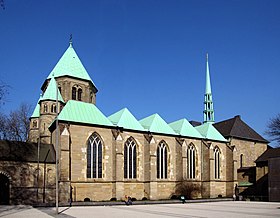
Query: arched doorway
{"points": [[4, 189]]}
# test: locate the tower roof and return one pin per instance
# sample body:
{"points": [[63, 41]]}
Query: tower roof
{"points": [[125, 119], [50, 93], [235, 127], [70, 65], [155, 123], [184, 128], [208, 131]]}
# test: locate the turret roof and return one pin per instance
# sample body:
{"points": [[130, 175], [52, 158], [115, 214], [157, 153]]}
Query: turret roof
{"points": [[155, 123], [70, 65], [184, 128], [50, 93], [125, 119], [36, 112]]}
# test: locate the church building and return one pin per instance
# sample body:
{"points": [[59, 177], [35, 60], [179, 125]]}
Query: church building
{"points": [[102, 158]]}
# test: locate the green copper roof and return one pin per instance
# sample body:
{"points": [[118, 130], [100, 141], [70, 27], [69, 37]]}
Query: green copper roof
{"points": [[208, 131], [50, 93], [125, 119], [36, 112], [208, 82], [155, 123], [81, 112], [70, 65], [184, 128]]}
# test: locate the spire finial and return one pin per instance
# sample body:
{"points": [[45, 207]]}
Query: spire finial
{"points": [[70, 40], [207, 56]]}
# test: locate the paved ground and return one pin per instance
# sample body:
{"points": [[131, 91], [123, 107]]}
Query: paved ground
{"points": [[196, 210]]}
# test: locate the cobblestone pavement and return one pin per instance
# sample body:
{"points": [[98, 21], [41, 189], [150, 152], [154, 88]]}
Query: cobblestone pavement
{"points": [[196, 210]]}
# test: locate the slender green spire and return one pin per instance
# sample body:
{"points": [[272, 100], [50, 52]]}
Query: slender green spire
{"points": [[208, 102], [208, 83]]}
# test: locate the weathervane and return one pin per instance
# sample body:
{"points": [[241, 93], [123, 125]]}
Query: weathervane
{"points": [[70, 40]]}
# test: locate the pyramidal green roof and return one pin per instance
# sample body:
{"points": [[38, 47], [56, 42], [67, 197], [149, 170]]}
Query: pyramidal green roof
{"points": [[70, 65], [36, 112], [125, 119], [50, 93], [208, 131], [184, 128], [81, 112], [155, 123]]}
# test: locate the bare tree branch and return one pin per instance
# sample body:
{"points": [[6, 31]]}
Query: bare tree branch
{"points": [[16, 125], [273, 129]]}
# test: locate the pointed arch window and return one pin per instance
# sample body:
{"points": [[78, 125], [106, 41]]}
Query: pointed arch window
{"points": [[217, 163], [94, 157], [74, 93], [162, 160], [80, 91], [191, 156], [130, 157]]}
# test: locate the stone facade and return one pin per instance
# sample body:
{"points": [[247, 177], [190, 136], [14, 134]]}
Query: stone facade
{"points": [[25, 187], [214, 162]]}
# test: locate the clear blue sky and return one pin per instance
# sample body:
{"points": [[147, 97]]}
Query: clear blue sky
{"points": [[149, 55]]}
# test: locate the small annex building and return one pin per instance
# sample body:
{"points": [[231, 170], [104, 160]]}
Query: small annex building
{"points": [[104, 158]]}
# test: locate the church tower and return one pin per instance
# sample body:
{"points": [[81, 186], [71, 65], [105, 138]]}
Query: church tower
{"points": [[71, 81], [208, 112]]}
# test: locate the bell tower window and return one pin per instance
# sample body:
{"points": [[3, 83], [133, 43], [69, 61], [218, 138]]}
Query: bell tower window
{"points": [[80, 91], [45, 108], [74, 93]]}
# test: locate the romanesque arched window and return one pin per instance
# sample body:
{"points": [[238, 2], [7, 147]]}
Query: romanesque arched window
{"points": [[53, 108], [130, 157], [162, 160], [34, 124], [191, 155], [80, 91], [217, 163], [94, 156], [45, 108], [74, 93]]}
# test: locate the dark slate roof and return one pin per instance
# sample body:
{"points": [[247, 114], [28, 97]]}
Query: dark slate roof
{"points": [[235, 127], [195, 123], [269, 153], [26, 152]]}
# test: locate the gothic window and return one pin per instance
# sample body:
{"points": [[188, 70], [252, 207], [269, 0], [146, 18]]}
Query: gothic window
{"points": [[74, 93], [191, 162], [162, 161], [53, 108], [130, 156], [45, 108], [217, 164], [94, 157], [80, 91]]}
